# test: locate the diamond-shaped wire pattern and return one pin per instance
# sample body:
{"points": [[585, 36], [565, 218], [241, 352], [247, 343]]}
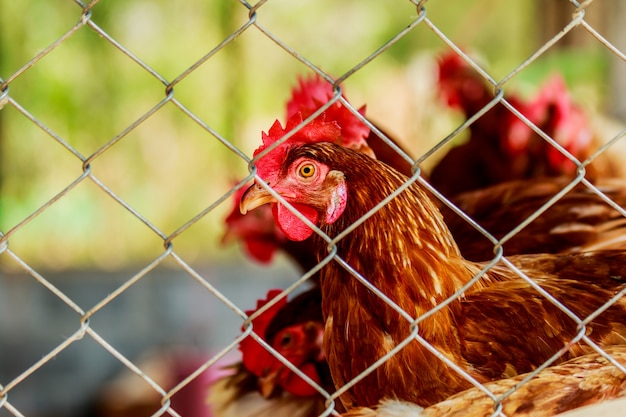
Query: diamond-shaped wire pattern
{"points": [[90, 163]]}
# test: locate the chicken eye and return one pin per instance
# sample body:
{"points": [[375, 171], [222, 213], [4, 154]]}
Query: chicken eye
{"points": [[285, 340], [306, 170]]}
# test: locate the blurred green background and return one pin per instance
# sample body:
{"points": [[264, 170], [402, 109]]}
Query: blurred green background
{"points": [[168, 168]]}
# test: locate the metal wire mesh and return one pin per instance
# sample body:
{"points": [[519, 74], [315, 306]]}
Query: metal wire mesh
{"points": [[252, 26]]}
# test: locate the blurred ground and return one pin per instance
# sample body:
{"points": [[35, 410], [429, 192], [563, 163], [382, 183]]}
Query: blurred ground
{"points": [[164, 310]]}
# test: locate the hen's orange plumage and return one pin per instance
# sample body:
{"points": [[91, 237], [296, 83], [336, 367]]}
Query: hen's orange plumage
{"points": [[499, 327], [582, 381], [238, 395], [579, 221]]}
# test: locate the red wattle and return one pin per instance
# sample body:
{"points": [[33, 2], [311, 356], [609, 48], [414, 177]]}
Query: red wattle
{"points": [[298, 386], [291, 225]]}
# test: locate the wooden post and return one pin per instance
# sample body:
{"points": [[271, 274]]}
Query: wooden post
{"points": [[616, 34], [554, 15]]}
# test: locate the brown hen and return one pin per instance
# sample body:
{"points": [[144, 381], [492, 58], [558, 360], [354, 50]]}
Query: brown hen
{"points": [[499, 327]]}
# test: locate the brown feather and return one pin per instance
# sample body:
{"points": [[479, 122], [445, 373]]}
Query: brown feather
{"points": [[579, 221], [588, 379]]}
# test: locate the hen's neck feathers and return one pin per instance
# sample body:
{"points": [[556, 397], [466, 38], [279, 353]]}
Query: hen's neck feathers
{"points": [[408, 234]]}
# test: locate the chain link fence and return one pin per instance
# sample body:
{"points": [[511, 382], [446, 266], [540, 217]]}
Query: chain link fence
{"points": [[142, 219]]}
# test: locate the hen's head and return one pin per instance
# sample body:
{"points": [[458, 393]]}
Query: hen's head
{"points": [[565, 122], [298, 180], [315, 179], [553, 112], [337, 124], [460, 86], [300, 343]]}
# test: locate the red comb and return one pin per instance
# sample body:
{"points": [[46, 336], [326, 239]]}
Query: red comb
{"points": [[260, 323], [569, 125], [456, 79], [317, 130], [311, 94], [254, 356], [449, 65]]}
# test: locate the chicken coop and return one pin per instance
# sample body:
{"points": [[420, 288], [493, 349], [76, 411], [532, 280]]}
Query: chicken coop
{"points": [[129, 132]]}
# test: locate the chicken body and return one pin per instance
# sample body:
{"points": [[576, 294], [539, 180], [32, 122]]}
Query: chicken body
{"points": [[501, 326], [582, 381], [579, 221]]}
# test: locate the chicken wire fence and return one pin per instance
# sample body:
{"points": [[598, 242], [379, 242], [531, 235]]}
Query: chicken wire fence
{"points": [[87, 18]]}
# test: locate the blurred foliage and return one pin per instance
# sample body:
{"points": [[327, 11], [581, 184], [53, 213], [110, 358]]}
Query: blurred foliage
{"points": [[169, 168]]}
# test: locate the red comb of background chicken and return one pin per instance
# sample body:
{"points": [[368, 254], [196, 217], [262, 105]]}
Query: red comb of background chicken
{"points": [[312, 93], [255, 356], [553, 111], [460, 85], [564, 121], [449, 64], [448, 67]]}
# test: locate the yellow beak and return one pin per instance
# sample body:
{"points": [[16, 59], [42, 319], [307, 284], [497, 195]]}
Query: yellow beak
{"points": [[254, 197], [267, 383]]}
